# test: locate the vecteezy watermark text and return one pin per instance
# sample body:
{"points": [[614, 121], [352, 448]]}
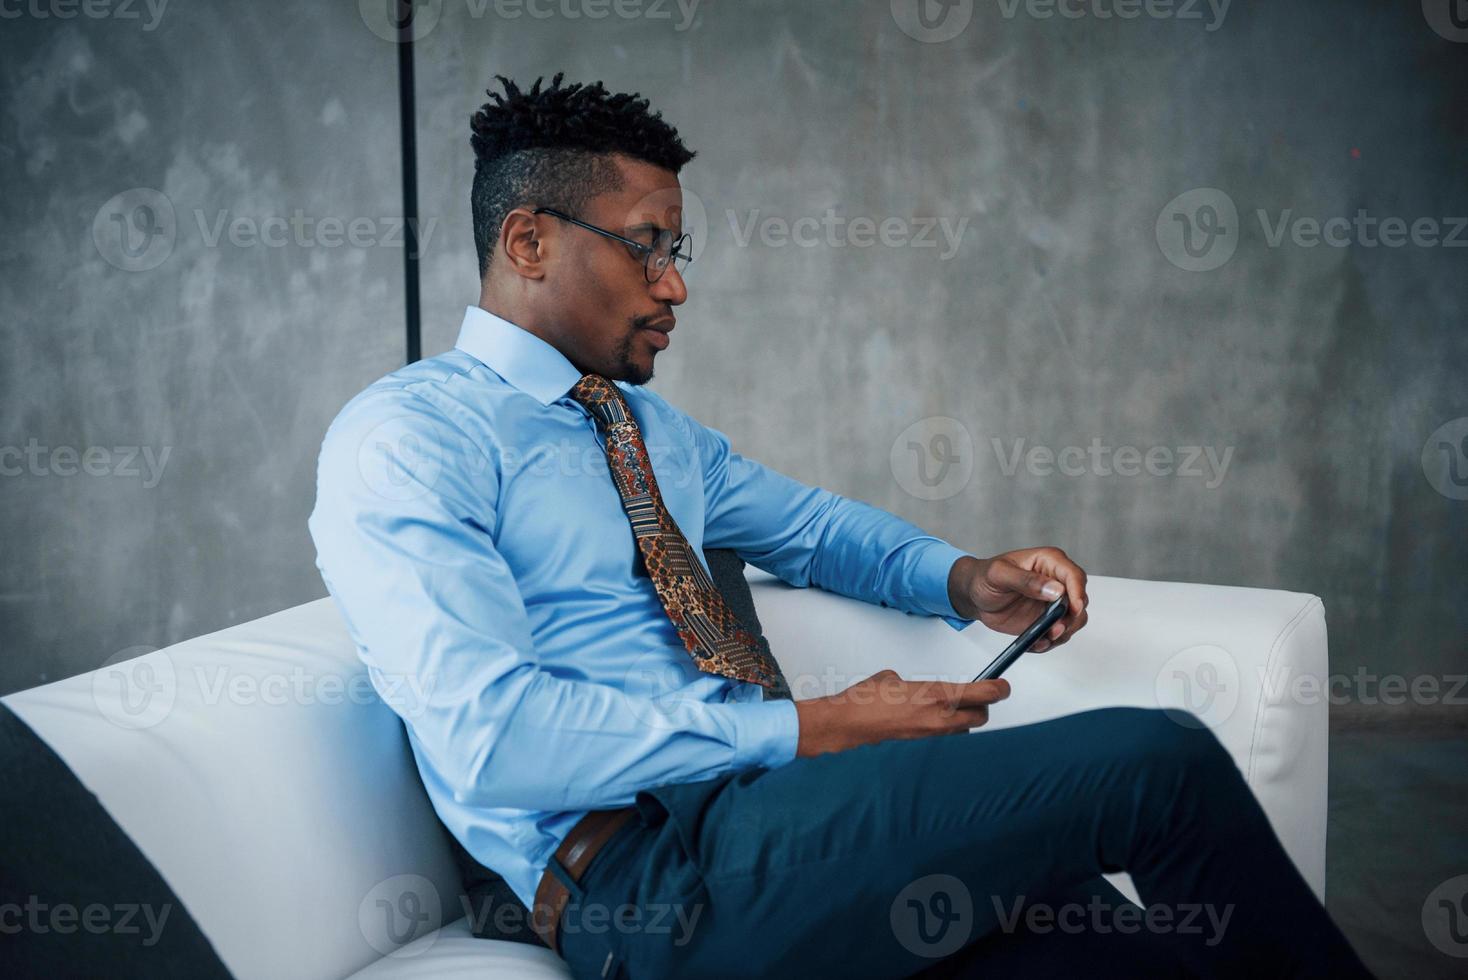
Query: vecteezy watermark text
{"points": [[137, 229], [1102, 460], [399, 22], [126, 10], [838, 231], [305, 231], [1214, 10], [672, 919], [401, 915], [934, 458], [1363, 229], [1200, 229], [36, 459], [65, 918], [1102, 918]]}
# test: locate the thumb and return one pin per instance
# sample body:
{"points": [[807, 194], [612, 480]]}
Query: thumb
{"points": [[1009, 577]]}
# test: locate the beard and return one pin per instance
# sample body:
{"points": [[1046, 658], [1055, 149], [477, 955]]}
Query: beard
{"points": [[628, 369]]}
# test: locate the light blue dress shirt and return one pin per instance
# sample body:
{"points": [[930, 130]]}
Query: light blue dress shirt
{"points": [[467, 526]]}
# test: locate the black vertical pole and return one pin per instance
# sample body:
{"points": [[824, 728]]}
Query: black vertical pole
{"points": [[408, 138]]}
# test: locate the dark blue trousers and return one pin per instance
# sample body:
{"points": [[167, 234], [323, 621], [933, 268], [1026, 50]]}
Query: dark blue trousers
{"points": [[962, 855]]}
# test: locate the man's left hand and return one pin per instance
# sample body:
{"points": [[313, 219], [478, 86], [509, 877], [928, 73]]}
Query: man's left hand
{"points": [[1008, 592]]}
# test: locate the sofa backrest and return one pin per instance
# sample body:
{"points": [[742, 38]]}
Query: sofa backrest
{"points": [[270, 786]]}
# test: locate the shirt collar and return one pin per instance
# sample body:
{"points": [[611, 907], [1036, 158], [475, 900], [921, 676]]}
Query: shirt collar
{"points": [[517, 355]]}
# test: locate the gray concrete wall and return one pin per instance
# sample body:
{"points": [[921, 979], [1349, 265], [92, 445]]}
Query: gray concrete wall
{"points": [[167, 394], [1032, 285], [1315, 375]]}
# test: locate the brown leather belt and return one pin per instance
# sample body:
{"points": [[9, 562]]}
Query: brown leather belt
{"points": [[575, 854]]}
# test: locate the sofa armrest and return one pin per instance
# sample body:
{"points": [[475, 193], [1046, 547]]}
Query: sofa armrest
{"points": [[1250, 663]]}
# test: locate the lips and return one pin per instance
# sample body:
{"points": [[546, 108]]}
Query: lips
{"points": [[658, 336], [657, 333]]}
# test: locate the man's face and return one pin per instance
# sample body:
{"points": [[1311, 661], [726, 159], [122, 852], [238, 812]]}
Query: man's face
{"points": [[609, 319]]}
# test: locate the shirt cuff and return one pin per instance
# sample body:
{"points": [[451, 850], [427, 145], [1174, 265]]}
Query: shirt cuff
{"points": [[930, 582], [765, 733]]}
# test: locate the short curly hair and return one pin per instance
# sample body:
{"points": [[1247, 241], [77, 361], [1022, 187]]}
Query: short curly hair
{"points": [[551, 147]]}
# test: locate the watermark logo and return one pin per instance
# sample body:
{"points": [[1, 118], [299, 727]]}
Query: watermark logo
{"points": [[933, 459], [406, 694], [135, 688], [674, 208], [400, 461], [1448, 18], [933, 916], [1445, 917], [659, 689], [398, 911], [1445, 459], [302, 230], [932, 21], [135, 230], [1202, 680], [400, 20], [1198, 230]]}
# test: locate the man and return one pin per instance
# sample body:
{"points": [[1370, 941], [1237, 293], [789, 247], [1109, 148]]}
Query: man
{"points": [[518, 526]]}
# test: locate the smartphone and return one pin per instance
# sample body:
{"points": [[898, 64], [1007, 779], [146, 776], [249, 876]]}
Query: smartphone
{"points": [[1025, 640]]}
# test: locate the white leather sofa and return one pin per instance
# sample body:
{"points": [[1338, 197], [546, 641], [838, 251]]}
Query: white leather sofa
{"points": [[277, 796]]}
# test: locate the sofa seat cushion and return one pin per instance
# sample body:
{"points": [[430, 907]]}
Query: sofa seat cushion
{"points": [[454, 951]]}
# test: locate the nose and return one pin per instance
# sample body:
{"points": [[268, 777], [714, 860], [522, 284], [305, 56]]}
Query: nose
{"points": [[671, 288]]}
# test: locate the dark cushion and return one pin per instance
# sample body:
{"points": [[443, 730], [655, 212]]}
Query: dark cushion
{"points": [[727, 569], [76, 885]]}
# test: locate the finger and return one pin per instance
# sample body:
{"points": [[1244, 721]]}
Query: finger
{"points": [[1058, 564], [1009, 577], [1076, 599], [1051, 637], [957, 722], [1072, 629], [943, 695], [973, 717], [981, 693]]}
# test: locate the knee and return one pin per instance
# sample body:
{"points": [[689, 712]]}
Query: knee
{"points": [[1161, 737]]}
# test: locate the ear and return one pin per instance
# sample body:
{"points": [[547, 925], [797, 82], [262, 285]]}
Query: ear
{"points": [[521, 244]]}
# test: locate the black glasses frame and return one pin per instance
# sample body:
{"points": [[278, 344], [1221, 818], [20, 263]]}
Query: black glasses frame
{"points": [[675, 246]]}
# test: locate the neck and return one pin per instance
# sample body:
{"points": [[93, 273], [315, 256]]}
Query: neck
{"points": [[520, 315]]}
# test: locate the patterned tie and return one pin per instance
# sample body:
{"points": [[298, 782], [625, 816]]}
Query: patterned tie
{"points": [[705, 623]]}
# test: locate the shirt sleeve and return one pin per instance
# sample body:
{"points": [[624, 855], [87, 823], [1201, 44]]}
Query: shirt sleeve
{"points": [[404, 506], [811, 536]]}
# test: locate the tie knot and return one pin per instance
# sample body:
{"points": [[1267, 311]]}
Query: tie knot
{"points": [[601, 398]]}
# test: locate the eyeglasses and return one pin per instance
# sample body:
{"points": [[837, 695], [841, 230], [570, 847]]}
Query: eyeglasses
{"points": [[663, 252]]}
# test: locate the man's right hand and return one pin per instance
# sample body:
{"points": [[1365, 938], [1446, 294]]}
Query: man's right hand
{"points": [[884, 706]]}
